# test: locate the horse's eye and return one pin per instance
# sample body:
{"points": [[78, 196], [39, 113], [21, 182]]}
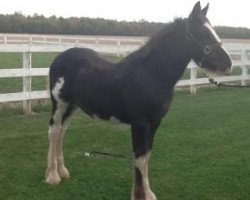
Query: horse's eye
{"points": [[207, 49]]}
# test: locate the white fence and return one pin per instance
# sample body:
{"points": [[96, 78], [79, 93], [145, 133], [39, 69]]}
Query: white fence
{"points": [[98, 43], [27, 44]]}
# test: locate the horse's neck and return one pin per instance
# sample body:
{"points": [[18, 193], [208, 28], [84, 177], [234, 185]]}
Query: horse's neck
{"points": [[165, 56], [168, 61]]}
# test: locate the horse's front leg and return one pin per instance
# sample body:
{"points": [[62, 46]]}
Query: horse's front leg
{"points": [[142, 136]]}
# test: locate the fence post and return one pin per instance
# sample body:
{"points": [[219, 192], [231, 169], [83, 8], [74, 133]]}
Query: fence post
{"points": [[60, 39], [244, 68], [193, 77], [30, 39], [27, 82], [77, 41], [96, 40], [118, 42], [45, 39], [244, 75], [5, 39]]}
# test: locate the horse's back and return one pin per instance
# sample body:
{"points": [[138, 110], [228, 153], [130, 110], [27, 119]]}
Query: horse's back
{"points": [[68, 65]]}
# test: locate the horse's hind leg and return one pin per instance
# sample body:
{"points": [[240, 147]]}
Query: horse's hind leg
{"points": [[62, 170], [60, 114], [55, 131]]}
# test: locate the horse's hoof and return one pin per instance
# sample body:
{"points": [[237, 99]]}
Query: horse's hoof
{"points": [[147, 198], [52, 178], [63, 172], [151, 197], [148, 195]]}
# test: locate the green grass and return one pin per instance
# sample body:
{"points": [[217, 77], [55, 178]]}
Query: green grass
{"points": [[201, 151]]}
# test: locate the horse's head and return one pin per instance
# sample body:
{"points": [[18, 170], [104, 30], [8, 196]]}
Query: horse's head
{"points": [[205, 46]]}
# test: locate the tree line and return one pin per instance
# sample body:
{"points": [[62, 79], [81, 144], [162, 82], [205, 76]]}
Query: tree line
{"points": [[19, 23]]}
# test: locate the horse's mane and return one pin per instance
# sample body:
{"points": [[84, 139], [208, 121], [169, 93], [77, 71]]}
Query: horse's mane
{"points": [[172, 27]]}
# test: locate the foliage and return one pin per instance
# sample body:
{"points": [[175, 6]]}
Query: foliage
{"points": [[18, 23], [230, 32]]}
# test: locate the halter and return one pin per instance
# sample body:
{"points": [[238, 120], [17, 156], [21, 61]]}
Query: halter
{"points": [[219, 84]]}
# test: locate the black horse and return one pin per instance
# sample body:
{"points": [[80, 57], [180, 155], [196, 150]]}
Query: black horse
{"points": [[138, 90]]}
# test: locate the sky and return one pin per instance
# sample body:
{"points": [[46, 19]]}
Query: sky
{"points": [[221, 12]]}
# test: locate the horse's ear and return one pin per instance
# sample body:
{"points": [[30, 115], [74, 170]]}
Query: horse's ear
{"points": [[196, 12], [204, 10]]}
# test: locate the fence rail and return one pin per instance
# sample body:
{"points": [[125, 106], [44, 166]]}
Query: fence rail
{"points": [[28, 44]]}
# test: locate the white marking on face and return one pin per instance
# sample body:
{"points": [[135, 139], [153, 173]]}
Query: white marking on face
{"points": [[210, 28], [225, 51], [57, 88]]}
